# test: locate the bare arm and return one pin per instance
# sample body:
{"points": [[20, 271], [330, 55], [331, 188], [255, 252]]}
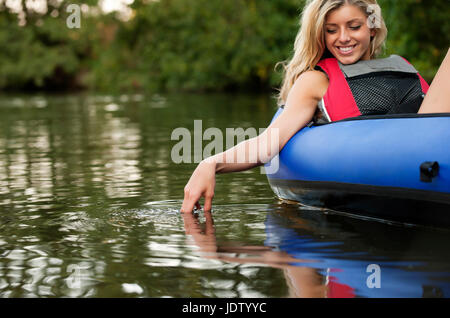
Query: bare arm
{"points": [[300, 107], [437, 99]]}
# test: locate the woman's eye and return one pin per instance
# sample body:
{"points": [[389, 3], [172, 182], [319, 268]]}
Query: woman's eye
{"points": [[331, 31], [355, 27]]}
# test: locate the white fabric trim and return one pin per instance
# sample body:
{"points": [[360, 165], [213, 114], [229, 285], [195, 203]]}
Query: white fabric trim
{"points": [[323, 109]]}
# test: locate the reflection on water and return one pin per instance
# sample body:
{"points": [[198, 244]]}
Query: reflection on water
{"points": [[89, 207], [412, 262], [334, 256]]}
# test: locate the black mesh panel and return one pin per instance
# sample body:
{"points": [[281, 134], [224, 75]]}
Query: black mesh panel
{"points": [[381, 93]]}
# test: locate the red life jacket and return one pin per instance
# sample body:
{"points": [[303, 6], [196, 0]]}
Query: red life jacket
{"points": [[339, 101]]}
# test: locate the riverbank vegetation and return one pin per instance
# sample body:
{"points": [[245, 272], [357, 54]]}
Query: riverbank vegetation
{"points": [[183, 45]]}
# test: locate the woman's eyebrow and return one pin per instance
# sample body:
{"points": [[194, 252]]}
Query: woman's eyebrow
{"points": [[348, 22]]}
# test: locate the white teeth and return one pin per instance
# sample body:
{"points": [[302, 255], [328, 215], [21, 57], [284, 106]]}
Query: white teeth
{"points": [[346, 49]]}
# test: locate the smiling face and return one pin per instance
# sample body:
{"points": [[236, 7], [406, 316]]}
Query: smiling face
{"points": [[347, 34]]}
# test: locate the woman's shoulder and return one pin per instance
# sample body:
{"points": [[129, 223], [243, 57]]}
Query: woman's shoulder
{"points": [[313, 75], [312, 79], [313, 83]]}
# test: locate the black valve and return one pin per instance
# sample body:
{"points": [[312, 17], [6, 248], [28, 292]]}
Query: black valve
{"points": [[428, 171]]}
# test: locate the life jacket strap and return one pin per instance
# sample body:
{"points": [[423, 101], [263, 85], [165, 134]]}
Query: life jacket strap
{"points": [[341, 93]]}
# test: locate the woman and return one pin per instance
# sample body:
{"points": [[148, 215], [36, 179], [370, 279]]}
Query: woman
{"points": [[343, 32]]}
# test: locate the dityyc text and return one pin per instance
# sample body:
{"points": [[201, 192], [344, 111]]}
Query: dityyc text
{"points": [[227, 308]]}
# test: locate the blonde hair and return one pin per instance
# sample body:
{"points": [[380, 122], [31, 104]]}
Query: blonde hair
{"points": [[309, 45]]}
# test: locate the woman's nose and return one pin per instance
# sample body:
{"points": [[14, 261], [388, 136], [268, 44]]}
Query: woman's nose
{"points": [[344, 36]]}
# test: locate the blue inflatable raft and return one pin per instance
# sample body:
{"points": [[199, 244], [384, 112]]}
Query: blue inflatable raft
{"points": [[390, 167]]}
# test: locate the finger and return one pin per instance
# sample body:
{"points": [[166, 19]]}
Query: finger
{"points": [[186, 207], [208, 203], [188, 222], [188, 203]]}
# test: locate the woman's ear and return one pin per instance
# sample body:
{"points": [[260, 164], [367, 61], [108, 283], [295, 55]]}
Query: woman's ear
{"points": [[373, 32]]}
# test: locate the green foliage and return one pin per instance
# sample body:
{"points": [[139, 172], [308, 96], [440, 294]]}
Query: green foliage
{"points": [[42, 53], [189, 44], [201, 45], [419, 30]]}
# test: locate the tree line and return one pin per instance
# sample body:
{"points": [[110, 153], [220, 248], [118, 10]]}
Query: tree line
{"points": [[185, 45]]}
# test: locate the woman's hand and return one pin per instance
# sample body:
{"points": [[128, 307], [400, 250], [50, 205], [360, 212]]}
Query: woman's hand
{"points": [[301, 105], [201, 184]]}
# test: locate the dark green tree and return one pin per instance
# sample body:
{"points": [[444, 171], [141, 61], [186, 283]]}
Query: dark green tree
{"points": [[40, 51], [419, 30], [195, 45]]}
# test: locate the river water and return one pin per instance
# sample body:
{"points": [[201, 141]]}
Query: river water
{"points": [[90, 199]]}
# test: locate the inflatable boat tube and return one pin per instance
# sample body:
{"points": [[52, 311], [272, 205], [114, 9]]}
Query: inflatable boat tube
{"points": [[390, 167]]}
